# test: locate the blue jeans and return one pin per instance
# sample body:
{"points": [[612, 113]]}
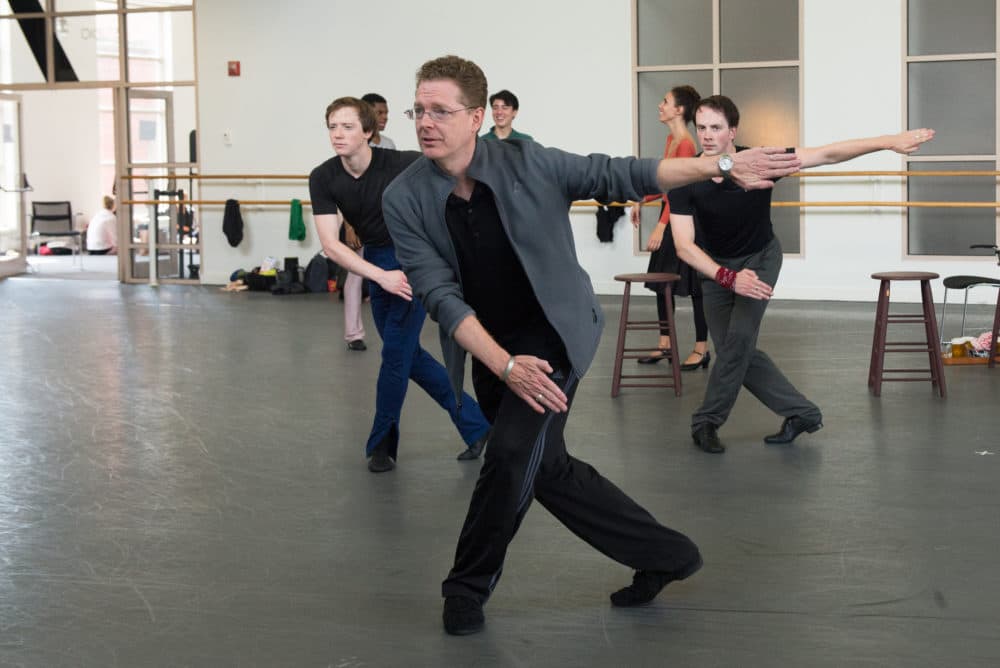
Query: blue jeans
{"points": [[399, 323]]}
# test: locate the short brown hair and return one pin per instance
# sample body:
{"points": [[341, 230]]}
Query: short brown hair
{"points": [[366, 112], [466, 74], [724, 106], [109, 202]]}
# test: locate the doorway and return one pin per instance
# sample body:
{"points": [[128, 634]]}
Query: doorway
{"points": [[103, 86], [165, 226], [13, 185]]}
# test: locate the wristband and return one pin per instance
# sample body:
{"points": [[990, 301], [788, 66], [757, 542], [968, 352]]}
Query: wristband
{"points": [[726, 278], [506, 372]]}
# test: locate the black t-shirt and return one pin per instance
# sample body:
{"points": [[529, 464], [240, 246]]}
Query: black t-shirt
{"points": [[332, 189], [732, 222], [494, 282]]}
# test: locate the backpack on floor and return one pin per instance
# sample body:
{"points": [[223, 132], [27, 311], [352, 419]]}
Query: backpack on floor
{"points": [[319, 272]]}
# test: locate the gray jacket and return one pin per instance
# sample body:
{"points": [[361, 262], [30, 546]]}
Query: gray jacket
{"points": [[533, 187]]}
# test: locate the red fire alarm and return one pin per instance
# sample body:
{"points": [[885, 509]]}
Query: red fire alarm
{"points": [[234, 68]]}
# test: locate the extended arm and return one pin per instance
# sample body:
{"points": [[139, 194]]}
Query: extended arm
{"points": [[903, 143], [747, 284], [328, 229], [753, 169]]}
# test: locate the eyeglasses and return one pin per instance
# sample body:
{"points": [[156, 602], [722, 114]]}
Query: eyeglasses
{"points": [[436, 115]]}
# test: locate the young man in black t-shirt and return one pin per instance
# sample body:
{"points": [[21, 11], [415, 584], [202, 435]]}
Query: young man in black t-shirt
{"points": [[744, 257], [351, 184]]}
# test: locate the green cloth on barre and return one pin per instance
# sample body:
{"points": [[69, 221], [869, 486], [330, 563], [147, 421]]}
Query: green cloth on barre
{"points": [[296, 226]]}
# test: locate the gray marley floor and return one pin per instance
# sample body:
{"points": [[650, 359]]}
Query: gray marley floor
{"points": [[182, 484]]}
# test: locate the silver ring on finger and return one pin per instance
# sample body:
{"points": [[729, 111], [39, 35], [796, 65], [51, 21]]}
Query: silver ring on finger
{"points": [[540, 396]]}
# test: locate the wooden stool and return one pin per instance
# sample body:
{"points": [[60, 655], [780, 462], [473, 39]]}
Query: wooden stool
{"points": [[877, 371], [624, 325]]}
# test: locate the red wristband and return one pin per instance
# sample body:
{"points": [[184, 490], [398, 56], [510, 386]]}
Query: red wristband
{"points": [[726, 278]]}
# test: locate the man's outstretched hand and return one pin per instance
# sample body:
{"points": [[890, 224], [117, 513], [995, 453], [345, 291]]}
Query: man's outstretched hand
{"points": [[756, 168]]}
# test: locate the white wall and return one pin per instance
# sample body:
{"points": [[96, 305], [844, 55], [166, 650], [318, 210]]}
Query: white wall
{"points": [[60, 135], [60, 128], [569, 62]]}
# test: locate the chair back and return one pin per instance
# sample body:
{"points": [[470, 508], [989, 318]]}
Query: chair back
{"points": [[51, 218]]}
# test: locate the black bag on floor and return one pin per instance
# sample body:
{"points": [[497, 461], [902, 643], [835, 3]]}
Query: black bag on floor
{"points": [[319, 272]]}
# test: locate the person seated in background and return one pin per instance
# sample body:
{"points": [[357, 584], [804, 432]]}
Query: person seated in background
{"points": [[102, 230]]}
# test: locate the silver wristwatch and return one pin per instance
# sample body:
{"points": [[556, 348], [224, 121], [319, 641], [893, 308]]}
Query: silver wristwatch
{"points": [[726, 165]]}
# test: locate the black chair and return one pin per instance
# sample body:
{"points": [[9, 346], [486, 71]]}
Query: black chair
{"points": [[53, 220], [966, 283]]}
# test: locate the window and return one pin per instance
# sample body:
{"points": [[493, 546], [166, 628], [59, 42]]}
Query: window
{"points": [[951, 86], [138, 57], [749, 51]]}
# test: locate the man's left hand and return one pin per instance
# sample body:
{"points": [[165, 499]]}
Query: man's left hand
{"points": [[756, 168]]}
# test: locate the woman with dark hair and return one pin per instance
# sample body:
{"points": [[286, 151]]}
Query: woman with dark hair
{"points": [[676, 112]]}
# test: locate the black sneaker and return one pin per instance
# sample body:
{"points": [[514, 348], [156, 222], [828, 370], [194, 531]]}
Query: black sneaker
{"points": [[357, 345], [380, 461], [463, 616], [474, 450], [706, 437], [646, 585]]}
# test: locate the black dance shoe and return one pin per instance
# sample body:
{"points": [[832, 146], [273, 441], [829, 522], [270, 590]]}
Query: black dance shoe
{"points": [[791, 428], [463, 615], [664, 354], [357, 345], [380, 461], [646, 585], [706, 357], [706, 437], [474, 450]]}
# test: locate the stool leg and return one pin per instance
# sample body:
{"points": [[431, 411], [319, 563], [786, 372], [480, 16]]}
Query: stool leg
{"points": [[996, 328], [934, 348], [871, 363], [675, 364], [944, 310], [965, 309], [616, 377], [878, 344]]}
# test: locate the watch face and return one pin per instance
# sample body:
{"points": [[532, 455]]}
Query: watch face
{"points": [[725, 163]]}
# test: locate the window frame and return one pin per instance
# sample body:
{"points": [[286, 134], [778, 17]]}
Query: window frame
{"points": [[120, 92], [907, 59], [716, 67]]}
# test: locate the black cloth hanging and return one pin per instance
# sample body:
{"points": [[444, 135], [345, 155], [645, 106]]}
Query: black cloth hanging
{"points": [[232, 223], [606, 217]]}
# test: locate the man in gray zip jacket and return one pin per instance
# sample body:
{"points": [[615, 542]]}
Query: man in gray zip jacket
{"points": [[482, 232]]}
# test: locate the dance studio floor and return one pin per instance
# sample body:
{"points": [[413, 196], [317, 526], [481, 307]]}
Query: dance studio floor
{"points": [[182, 484]]}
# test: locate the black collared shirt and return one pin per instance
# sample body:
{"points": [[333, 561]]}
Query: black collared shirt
{"points": [[494, 282]]}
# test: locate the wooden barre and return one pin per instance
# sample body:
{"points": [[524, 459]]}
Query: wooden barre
{"points": [[303, 177], [583, 204], [965, 172], [914, 205], [215, 202], [229, 177]]}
